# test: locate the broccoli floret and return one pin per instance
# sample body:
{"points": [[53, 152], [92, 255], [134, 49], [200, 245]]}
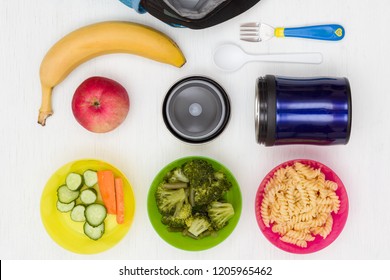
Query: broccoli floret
{"points": [[178, 219], [206, 194], [184, 213], [176, 176], [206, 184], [199, 172], [219, 175], [169, 201], [220, 213], [198, 224], [201, 209], [221, 186]]}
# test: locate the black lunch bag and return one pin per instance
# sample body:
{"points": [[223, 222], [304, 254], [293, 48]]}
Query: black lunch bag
{"points": [[194, 14]]}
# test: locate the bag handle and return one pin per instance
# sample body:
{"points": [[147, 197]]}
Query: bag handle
{"points": [[134, 4]]}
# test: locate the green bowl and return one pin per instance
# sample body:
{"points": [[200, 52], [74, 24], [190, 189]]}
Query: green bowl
{"points": [[176, 239]]}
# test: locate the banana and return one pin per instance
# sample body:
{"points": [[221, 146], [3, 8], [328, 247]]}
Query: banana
{"points": [[98, 39]]}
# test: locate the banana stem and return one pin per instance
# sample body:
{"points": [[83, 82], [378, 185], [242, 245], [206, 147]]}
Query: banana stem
{"points": [[46, 110]]}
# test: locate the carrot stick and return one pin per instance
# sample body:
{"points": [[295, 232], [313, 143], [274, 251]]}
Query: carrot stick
{"points": [[120, 201], [106, 184]]}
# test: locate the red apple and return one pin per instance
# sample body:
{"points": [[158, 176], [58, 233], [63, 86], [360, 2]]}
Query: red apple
{"points": [[100, 104]]}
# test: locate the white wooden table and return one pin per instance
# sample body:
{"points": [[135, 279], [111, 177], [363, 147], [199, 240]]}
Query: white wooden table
{"points": [[142, 145]]}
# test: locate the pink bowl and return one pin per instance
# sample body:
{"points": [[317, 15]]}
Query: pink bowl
{"points": [[339, 219]]}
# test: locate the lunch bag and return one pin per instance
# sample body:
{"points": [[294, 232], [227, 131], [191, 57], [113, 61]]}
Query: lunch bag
{"points": [[194, 14]]}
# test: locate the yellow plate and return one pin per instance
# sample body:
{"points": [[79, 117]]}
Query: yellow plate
{"points": [[69, 234]]}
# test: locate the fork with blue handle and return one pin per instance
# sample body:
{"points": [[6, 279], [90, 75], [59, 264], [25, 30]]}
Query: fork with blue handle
{"points": [[259, 32]]}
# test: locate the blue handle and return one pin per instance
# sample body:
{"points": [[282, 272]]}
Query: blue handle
{"points": [[329, 32], [135, 4]]}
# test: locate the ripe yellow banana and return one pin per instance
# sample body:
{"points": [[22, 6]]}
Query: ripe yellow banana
{"points": [[98, 39]]}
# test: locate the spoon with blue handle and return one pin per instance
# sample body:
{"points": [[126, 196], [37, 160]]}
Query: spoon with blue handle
{"points": [[259, 32]]}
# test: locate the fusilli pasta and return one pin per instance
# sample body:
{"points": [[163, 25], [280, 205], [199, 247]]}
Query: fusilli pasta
{"points": [[298, 203]]}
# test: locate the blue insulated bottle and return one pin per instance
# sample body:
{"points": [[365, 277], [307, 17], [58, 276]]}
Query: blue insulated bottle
{"points": [[314, 111]]}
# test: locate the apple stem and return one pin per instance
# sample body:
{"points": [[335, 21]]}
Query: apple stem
{"points": [[46, 109]]}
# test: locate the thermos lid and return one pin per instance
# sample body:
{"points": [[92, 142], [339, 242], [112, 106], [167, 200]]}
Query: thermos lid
{"points": [[265, 110], [196, 109]]}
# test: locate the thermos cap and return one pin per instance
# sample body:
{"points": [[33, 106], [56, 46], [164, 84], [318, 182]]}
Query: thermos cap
{"points": [[196, 109]]}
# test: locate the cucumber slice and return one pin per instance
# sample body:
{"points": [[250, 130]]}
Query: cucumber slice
{"points": [[92, 232], [95, 214], [90, 178], [77, 213], [65, 207], [74, 181], [65, 195], [88, 196]]}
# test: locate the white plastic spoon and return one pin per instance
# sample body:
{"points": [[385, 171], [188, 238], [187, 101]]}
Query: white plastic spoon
{"points": [[230, 57]]}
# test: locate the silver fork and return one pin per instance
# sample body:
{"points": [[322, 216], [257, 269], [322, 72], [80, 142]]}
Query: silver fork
{"points": [[256, 32], [259, 32]]}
